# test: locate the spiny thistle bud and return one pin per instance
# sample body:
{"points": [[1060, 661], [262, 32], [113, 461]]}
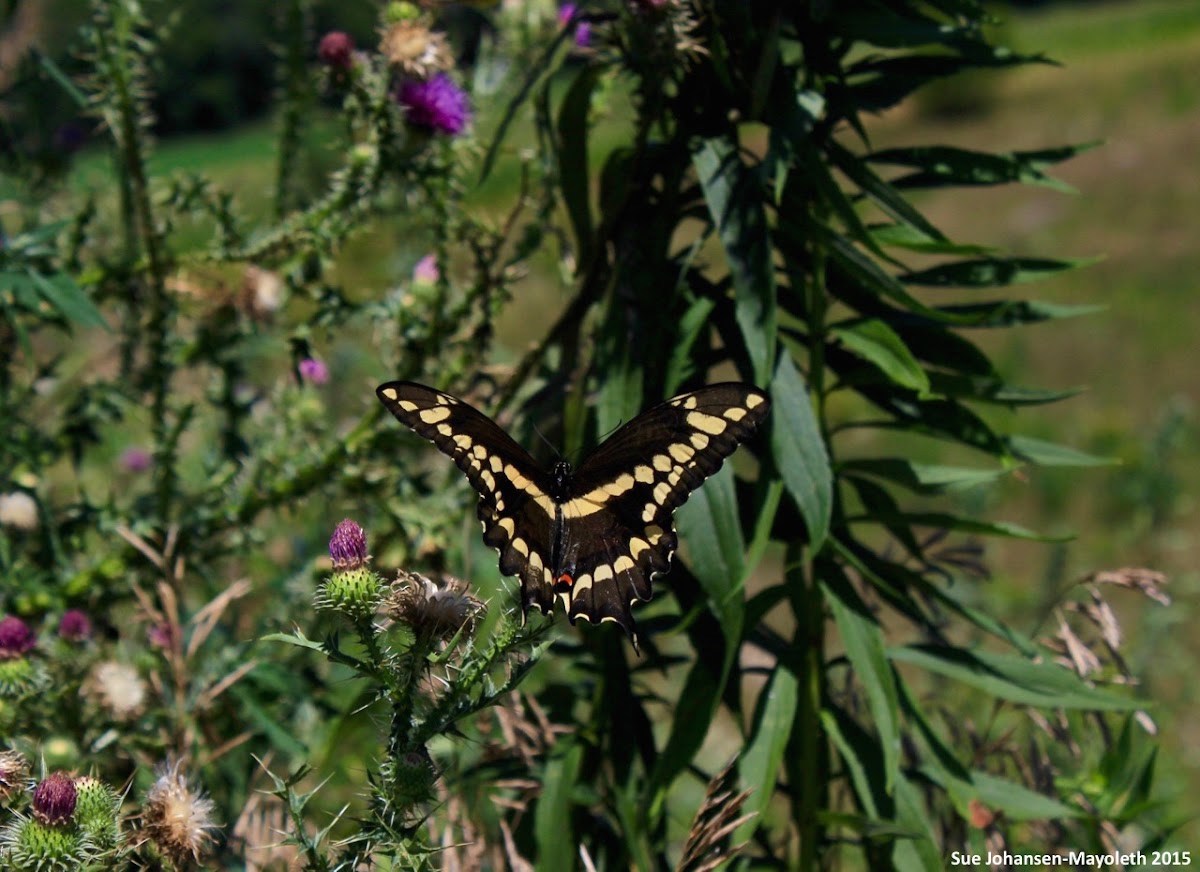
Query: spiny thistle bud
{"points": [[18, 674], [14, 773], [75, 626], [16, 639], [353, 589], [336, 50], [411, 778], [54, 799], [28, 844], [96, 810], [434, 612], [401, 11], [117, 688], [177, 818]]}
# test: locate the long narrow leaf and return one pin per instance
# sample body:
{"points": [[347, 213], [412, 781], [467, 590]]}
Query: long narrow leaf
{"points": [[1016, 679], [735, 203], [862, 638], [799, 450]]}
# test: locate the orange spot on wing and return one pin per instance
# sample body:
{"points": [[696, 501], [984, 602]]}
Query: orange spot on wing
{"points": [[565, 579]]}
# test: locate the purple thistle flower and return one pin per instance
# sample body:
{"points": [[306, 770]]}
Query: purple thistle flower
{"points": [[583, 29], [70, 137], [54, 799], [313, 370], [426, 270], [348, 546], [75, 626], [16, 639], [437, 104], [161, 636], [136, 460], [336, 50]]}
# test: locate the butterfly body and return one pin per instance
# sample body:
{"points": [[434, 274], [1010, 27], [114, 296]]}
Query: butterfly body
{"points": [[595, 536]]}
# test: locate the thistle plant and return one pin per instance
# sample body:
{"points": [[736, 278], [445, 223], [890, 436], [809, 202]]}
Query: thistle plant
{"points": [[433, 656]]}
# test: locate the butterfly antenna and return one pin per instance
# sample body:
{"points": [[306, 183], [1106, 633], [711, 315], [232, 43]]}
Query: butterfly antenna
{"points": [[549, 444]]}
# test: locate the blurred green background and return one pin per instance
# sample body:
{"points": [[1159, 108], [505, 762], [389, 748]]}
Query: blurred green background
{"points": [[1127, 77]]}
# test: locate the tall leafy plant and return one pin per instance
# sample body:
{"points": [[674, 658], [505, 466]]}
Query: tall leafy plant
{"points": [[746, 226]]}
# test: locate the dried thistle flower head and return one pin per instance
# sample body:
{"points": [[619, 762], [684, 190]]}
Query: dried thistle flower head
{"points": [[177, 817], [434, 612], [18, 510], [263, 292], [14, 774], [414, 50], [117, 688]]}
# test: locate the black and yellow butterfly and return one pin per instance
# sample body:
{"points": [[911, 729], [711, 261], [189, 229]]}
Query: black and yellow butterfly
{"points": [[594, 536]]}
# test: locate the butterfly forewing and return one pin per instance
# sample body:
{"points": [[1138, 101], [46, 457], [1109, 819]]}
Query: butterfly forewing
{"points": [[596, 538], [513, 495]]}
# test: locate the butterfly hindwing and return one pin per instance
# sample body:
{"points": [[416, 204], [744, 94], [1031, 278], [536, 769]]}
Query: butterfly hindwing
{"points": [[597, 537], [513, 500], [626, 492]]}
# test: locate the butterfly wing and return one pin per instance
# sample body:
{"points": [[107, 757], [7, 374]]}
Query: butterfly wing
{"points": [[619, 521], [514, 506]]}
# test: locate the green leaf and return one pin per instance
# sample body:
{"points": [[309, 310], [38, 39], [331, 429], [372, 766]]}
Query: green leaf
{"points": [[997, 272], [920, 852], [876, 342], [992, 389], [884, 573], [552, 818], [882, 83], [1018, 802], [1011, 313], [799, 450], [940, 166], [862, 638], [298, 639], [1016, 679], [68, 299], [859, 758], [946, 521], [691, 718], [711, 526], [573, 157], [921, 478], [1052, 454], [693, 323], [760, 760], [907, 237], [941, 418], [868, 275], [887, 198], [735, 203]]}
